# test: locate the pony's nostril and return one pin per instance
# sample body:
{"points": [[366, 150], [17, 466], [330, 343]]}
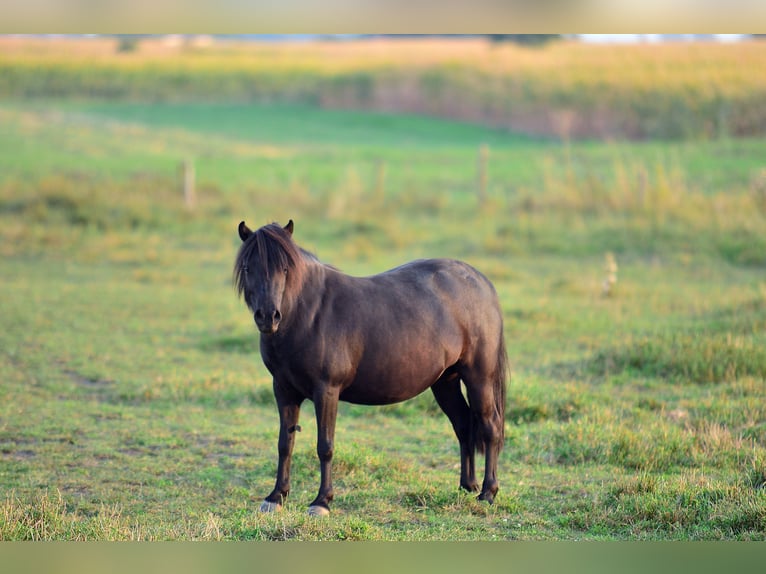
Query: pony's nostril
{"points": [[277, 316], [259, 315]]}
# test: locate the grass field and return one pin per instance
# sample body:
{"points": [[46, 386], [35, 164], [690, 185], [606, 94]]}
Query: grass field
{"points": [[134, 405]]}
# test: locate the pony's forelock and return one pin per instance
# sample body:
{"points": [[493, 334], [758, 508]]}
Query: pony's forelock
{"points": [[272, 249]]}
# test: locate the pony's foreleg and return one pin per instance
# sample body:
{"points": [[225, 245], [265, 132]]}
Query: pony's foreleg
{"points": [[326, 407], [289, 411]]}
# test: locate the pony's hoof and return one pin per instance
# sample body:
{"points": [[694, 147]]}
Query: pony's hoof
{"points": [[487, 497], [317, 510], [267, 506]]}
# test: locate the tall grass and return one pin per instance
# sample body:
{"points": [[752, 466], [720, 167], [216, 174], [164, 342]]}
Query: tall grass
{"points": [[587, 214], [700, 507], [48, 517], [695, 357], [563, 90]]}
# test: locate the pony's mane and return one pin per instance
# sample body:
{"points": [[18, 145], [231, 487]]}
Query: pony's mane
{"points": [[273, 250]]}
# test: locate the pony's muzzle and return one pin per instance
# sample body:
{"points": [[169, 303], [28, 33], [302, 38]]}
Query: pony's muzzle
{"points": [[267, 322]]}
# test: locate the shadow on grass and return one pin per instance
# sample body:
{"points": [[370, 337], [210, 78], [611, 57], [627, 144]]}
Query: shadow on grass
{"points": [[241, 344]]}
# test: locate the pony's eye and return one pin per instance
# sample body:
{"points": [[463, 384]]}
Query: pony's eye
{"points": [[285, 270]]}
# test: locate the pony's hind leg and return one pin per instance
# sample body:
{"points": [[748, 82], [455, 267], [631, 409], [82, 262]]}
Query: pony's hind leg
{"points": [[487, 405], [446, 390], [492, 449]]}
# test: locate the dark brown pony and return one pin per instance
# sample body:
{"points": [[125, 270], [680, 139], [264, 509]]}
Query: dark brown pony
{"points": [[326, 336]]}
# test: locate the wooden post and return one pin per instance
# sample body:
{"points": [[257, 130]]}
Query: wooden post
{"points": [[482, 163], [187, 183]]}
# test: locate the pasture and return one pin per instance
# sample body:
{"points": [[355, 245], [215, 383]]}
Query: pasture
{"points": [[134, 405]]}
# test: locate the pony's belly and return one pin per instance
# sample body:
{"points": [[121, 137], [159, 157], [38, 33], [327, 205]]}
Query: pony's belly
{"points": [[389, 376], [390, 391]]}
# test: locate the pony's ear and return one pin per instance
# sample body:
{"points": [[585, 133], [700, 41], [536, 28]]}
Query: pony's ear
{"points": [[244, 231], [289, 227]]}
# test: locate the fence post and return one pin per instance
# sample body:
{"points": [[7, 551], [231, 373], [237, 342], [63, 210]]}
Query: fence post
{"points": [[187, 183]]}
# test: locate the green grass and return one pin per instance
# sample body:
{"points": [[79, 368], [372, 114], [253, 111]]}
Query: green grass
{"points": [[300, 125], [133, 403]]}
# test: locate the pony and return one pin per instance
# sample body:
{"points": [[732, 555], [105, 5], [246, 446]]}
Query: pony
{"points": [[327, 337]]}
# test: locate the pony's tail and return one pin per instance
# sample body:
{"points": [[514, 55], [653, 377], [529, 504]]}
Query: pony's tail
{"points": [[501, 376]]}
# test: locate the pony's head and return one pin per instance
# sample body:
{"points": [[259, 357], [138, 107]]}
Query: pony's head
{"points": [[268, 263]]}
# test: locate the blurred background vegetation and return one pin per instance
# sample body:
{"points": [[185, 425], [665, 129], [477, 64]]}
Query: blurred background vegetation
{"points": [[561, 89]]}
